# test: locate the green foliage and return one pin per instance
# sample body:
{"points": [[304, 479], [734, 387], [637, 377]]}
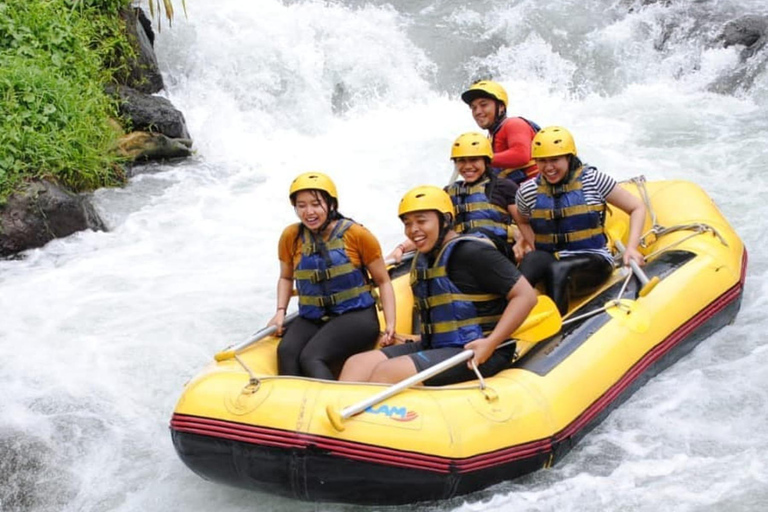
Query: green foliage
{"points": [[55, 57], [109, 6], [53, 127]]}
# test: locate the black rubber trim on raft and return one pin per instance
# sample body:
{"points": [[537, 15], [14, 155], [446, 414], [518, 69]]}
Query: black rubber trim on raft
{"points": [[715, 316], [310, 467], [400, 269], [547, 355], [316, 473]]}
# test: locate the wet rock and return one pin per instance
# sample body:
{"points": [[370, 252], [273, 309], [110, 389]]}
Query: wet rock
{"points": [[150, 113], [339, 99], [41, 212], [145, 146], [749, 31], [22, 463], [143, 73]]}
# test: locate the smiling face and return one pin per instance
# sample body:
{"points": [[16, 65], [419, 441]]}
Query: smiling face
{"points": [[311, 209], [471, 168], [484, 110], [422, 228], [554, 169]]}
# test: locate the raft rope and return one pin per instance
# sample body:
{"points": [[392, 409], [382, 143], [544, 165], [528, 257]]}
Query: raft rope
{"points": [[657, 231], [615, 303], [477, 372], [253, 381]]}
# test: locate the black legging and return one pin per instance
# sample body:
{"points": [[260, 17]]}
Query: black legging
{"points": [[581, 274], [313, 348]]}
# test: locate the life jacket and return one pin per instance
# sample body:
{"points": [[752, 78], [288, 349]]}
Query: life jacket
{"points": [[561, 219], [474, 209], [327, 281], [448, 316], [519, 174]]}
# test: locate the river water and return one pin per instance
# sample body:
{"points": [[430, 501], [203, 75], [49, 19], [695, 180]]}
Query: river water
{"points": [[99, 331]]}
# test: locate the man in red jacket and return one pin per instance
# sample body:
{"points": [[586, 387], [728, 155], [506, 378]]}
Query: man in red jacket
{"points": [[511, 137]]}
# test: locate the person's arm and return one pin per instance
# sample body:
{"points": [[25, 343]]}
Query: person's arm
{"points": [[521, 215], [517, 136], [524, 241], [400, 249], [378, 271], [284, 292], [636, 209], [521, 299]]}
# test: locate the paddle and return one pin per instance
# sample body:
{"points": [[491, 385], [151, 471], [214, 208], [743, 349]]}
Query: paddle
{"points": [[648, 284], [616, 232], [258, 335], [230, 352], [542, 322]]}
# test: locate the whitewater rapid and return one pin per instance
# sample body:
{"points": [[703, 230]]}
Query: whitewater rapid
{"points": [[100, 331]]}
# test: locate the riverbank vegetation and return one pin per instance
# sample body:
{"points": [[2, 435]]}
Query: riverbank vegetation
{"points": [[55, 58]]}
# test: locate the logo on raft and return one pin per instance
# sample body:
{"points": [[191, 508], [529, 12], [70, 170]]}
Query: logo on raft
{"points": [[395, 413]]}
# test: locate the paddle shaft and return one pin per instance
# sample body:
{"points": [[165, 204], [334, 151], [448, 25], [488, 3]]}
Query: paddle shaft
{"points": [[359, 407], [633, 264], [423, 375], [263, 333], [270, 330]]}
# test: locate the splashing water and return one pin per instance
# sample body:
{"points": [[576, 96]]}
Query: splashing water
{"points": [[99, 331]]}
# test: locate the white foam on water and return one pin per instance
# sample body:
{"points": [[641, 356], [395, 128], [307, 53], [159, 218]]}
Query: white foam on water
{"points": [[100, 331]]}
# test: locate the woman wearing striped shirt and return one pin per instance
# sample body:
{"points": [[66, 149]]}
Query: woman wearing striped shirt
{"points": [[561, 216]]}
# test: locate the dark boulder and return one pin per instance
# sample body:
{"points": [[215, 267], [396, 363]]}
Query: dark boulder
{"points": [[41, 212], [749, 31], [150, 113], [143, 72]]}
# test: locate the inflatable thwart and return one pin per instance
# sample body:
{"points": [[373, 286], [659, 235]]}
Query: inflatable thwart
{"points": [[237, 422]]}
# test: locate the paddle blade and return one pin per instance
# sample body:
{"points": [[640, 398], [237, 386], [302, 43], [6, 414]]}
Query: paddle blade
{"points": [[543, 321], [650, 285], [335, 418]]}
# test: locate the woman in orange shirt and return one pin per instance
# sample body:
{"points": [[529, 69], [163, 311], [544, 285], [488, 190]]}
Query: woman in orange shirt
{"points": [[332, 259]]}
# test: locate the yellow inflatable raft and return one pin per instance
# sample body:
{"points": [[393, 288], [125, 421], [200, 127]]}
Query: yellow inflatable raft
{"points": [[239, 423]]}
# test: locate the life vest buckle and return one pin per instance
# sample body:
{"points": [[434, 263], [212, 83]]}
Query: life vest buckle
{"points": [[309, 248], [320, 275], [326, 302], [421, 273]]}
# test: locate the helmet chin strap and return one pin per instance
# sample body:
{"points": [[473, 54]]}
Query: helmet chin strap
{"points": [[444, 228], [325, 224], [573, 165], [501, 111], [330, 217]]}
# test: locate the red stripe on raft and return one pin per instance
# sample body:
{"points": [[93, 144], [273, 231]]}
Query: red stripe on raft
{"points": [[287, 439], [399, 458], [655, 354]]}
